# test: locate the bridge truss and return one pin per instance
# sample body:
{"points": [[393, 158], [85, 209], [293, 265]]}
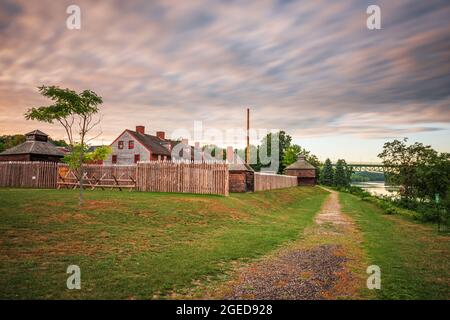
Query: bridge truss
{"points": [[369, 167]]}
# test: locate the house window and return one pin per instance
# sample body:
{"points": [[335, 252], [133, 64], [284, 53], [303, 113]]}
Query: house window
{"points": [[114, 158], [137, 157], [131, 144], [120, 144]]}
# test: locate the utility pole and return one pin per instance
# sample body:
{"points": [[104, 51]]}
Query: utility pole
{"points": [[247, 151]]}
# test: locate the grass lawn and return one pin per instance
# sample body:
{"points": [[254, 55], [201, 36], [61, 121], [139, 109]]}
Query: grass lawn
{"points": [[414, 258], [138, 245]]}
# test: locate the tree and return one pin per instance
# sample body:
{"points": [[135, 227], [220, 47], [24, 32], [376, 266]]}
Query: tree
{"points": [[59, 143], [75, 112], [420, 170], [327, 173], [256, 166], [342, 175], [72, 158], [293, 151], [291, 154], [9, 141], [283, 140]]}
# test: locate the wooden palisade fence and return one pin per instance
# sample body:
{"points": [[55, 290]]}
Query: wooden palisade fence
{"points": [[165, 176], [264, 181], [28, 174], [158, 176]]}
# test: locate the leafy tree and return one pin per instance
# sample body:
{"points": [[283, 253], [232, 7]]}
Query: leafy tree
{"points": [[291, 154], [288, 152], [75, 112], [59, 143], [327, 173], [420, 170], [72, 159], [348, 173], [283, 140], [9, 141], [293, 151]]}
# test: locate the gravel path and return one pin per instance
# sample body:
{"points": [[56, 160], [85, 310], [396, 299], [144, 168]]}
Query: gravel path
{"points": [[300, 273], [331, 211], [296, 275]]}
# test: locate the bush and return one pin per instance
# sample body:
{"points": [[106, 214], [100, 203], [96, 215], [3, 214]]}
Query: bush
{"points": [[395, 206]]}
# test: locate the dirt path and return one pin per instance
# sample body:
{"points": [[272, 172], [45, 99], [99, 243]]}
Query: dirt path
{"points": [[326, 263]]}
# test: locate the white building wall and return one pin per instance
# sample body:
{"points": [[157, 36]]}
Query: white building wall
{"points": [[125, 155]]}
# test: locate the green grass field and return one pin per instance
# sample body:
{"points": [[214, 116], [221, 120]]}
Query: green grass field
{"points": [[132, 245], [414, 258], [138, 245]]}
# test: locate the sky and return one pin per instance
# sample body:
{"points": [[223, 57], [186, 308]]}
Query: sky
{"points": [[310, 68]]}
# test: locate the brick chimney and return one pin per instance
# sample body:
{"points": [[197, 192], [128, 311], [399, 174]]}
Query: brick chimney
{"points": [[230, 154], [140, 129], [161, 134]]}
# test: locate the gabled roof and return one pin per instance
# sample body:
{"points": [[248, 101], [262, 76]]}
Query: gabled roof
{"points": [[34, 147], [155, 144], [239, 165], [93, 148], [301, 164]]}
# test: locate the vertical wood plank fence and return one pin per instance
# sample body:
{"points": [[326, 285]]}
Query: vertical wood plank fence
{"points": [[158, 176], [265, 181], [28, 174], [204, 178]]}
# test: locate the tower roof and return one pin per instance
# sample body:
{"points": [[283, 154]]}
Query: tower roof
{"points": [[36, 132], [301, 164]]}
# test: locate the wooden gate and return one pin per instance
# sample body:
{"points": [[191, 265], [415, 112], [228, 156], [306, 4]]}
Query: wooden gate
{"points": [[98, 176]]}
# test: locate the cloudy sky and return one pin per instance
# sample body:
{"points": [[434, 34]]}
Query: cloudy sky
{"points": [[311, 68]]}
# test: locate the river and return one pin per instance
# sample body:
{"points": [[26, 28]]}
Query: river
{"points": [[377, 188]]}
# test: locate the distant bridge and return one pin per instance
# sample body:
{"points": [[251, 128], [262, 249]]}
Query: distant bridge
{"points": [[368, 166]]}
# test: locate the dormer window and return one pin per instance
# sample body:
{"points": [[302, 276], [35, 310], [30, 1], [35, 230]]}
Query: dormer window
{"points": [[120, 145], [131, 144]]}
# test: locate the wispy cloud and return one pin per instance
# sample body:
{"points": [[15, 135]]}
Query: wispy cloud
{"points": [[309, 67]]}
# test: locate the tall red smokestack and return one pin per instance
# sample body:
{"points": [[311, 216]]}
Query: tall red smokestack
{"points": [[247, 152]]}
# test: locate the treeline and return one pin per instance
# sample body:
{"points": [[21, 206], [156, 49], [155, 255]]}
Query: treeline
{"points": [[423, 175], [288, 152], [365, 176], [340, 176], [9, 141]]}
